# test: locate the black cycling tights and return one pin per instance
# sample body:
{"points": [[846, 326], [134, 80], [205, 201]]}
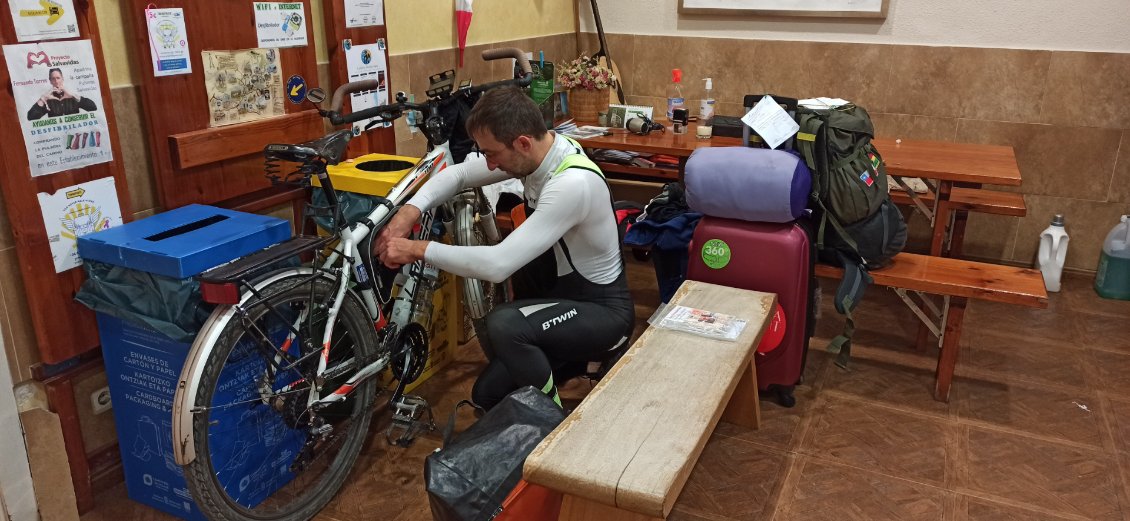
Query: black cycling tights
{"points": [[530, 339]]}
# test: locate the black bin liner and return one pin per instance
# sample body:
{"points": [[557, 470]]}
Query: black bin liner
{"points": [[170, 306]]}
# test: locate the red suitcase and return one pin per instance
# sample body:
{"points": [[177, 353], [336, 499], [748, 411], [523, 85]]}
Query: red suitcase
{"points": [[770, 257]]}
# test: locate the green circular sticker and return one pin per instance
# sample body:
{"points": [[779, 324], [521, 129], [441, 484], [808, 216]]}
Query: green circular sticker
{"points": [[716, 253]]}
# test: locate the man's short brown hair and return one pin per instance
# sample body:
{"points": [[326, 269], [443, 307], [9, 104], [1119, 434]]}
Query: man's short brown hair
{"points": [[507, 112]]}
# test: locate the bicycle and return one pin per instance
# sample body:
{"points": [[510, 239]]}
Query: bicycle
{"points": [[274, 402]]}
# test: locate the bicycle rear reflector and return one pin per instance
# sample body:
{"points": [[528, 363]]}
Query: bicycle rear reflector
{"points": [[219, 292]]}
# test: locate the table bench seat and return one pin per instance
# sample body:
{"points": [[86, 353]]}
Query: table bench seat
{"points": [[956, 281], [973, 199]]}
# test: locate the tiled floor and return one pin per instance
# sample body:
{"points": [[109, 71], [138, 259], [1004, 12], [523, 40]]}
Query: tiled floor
{"points": [[1038, 427]]}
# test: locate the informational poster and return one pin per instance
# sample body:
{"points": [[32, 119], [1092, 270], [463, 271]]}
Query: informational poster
{"points": [[243, 85], [168, 41], [75, 211], [279, 24], [59, 103], [367, 62], [43, 19], [364, 13]]}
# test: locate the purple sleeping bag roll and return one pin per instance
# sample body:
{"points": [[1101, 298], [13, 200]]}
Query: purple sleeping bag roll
{"points": [[751, 184]]}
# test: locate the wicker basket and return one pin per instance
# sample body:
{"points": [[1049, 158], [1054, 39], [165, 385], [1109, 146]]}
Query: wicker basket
{"points": [[585, 105]]}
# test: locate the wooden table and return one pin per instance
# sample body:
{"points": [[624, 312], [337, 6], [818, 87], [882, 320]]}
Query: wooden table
{"points": [[944, 166]]}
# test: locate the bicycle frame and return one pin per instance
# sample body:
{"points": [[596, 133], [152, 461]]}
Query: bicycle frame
{"points": [[344, 260]]}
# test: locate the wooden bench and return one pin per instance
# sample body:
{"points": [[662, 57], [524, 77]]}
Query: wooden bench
{"points": [[955, 281], [627, 450]]}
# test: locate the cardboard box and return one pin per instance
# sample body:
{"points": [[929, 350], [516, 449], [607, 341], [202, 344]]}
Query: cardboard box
{"points": [[183, 242]]}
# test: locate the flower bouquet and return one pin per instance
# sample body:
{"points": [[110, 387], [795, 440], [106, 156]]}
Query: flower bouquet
{"points": [[588, 81]]}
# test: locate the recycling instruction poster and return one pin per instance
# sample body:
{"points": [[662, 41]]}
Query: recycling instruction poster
{"points": [[43, 19], [279, 24], [72, 212], [59, 104]]}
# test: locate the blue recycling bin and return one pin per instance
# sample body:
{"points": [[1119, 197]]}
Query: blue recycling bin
{"points": [[143, 365]]}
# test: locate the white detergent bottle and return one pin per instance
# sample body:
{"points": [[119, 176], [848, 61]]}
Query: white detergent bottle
{"points": [[1053, 251]]}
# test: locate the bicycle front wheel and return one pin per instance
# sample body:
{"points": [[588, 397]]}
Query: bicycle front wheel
{"points": [[263, 452], [479, 296]]}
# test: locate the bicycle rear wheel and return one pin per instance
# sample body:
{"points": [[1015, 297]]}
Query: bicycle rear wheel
{"points": [[262, 452]]}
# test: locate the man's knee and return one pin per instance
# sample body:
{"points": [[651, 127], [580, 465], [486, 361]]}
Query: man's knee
{"points": [[486, 395]]}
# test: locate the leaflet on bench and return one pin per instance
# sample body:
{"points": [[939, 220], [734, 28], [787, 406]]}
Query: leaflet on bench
{"points": [[699, 322]]}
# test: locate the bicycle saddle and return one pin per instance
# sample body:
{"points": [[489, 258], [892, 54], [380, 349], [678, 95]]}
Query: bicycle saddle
{"points": [[330, 148]]}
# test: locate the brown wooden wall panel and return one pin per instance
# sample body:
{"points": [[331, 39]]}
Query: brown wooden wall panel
{"points": [[63, 327], [177, 105], [381, 140]]}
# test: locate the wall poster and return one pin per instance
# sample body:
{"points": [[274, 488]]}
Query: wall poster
{"points": [[59, 99], [820, 8], [280, 24], [367, 62], [168, 41], [243, 85], [72, 212], [43, 19], [364, 13]]}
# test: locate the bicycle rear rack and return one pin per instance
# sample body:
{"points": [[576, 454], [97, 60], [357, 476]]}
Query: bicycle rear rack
{"points": [[220, 285]]}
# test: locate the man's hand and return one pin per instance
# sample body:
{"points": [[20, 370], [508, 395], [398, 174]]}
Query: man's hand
{"points": [[397, 228], [399, 251]]}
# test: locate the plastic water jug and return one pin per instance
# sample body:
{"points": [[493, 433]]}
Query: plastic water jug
{"points": [[1053, 251], [1113, 277]]}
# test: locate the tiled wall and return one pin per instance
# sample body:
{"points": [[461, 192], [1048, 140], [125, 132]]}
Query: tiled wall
{"points": [[1063, 112]]}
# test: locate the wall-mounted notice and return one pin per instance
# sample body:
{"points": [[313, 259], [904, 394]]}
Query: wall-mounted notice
{"points": [[59, 101], [43, 19], [279, 24], [367, 62], [243, 85], [168, 41], [75, 211], [364, 13]]}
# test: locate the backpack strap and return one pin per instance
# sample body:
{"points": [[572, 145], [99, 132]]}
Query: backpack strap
{"points": [[848, 295], [811, 125]]}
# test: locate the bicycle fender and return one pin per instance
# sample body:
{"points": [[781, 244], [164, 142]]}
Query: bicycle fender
{"points": [[188, 384]]}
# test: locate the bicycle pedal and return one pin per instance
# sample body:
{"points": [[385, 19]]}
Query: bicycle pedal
{"points": [[411, 416]]}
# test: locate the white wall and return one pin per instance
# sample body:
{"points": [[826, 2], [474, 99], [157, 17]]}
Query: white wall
{"points": [[1084, 25]]}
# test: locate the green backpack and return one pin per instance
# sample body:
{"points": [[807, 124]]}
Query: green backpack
{"points": [[858, 227]]}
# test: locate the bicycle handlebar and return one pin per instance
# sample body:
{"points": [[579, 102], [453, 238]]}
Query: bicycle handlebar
{"points": [[350, 88], [393, 110]]}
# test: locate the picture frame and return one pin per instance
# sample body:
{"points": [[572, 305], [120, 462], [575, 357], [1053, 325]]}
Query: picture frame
{"points": [[866, 9]]}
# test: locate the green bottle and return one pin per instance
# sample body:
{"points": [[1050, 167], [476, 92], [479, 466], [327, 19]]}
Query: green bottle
{"points": [[1113, 277]]}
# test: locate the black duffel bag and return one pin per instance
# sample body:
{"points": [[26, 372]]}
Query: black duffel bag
{"points": [[470, 477]]}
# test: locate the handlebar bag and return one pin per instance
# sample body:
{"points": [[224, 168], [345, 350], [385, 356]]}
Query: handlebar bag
{"points": [[751, 184]]}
